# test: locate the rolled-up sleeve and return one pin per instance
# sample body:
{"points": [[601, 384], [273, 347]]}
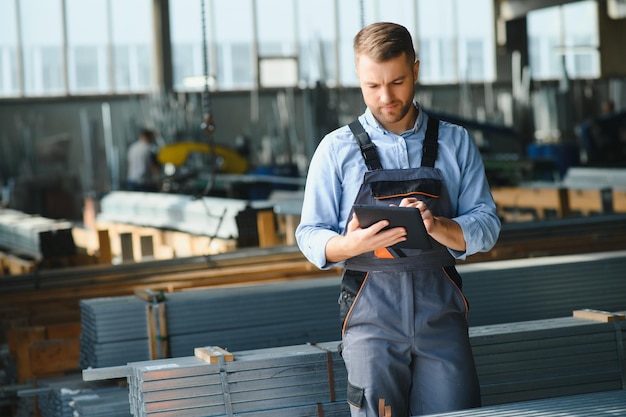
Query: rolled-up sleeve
{"points": [[476, 209], [319, 220]]}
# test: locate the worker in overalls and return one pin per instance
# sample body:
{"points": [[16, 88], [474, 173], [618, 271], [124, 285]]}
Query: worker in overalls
{"points": [[405, 336]]}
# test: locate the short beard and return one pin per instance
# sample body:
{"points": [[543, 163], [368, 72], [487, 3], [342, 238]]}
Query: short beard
{"points": [[386, 117]]}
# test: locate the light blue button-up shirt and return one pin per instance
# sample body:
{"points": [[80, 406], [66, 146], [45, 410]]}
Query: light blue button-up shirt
{"points": [[336, 172]]}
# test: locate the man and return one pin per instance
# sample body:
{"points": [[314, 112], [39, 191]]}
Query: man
{"points": [[405, 336], [143, 169]]}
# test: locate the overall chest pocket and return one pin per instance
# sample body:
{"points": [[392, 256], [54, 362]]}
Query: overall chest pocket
{"points": [[422, 188]]}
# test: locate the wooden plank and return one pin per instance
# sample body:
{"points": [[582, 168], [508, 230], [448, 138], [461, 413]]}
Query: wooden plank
{"points": [[541, 200], [104, 244], [597, 315], [211, 354], [150, 295], [562, 201], [585, 201], [3, 267], [17, 266], [266, 226]]}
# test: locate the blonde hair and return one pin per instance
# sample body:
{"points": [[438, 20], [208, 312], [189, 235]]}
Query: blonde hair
{"points": [[383, 41]]}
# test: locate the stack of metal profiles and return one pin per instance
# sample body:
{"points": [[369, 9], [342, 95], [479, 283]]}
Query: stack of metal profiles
{"points": [[102, 403], [300, 311], [254, 316], [113, 331], [61, 395], [599, 404], [548, 358], [544, 287], [285, 381], [35, 236], [515, 362]]}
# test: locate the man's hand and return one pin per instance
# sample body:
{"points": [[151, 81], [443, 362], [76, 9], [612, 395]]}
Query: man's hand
{"points": [[358, 240], [443, 230]]}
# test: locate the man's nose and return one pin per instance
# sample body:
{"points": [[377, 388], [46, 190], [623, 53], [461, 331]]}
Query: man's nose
{"points": [[386, 95]]}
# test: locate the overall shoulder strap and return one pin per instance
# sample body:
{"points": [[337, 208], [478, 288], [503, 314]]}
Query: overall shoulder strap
{"points": [[368, 149], [429, 155]]}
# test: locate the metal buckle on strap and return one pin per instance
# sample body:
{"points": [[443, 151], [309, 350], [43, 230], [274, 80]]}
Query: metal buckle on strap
{"points": [[369, 152]]}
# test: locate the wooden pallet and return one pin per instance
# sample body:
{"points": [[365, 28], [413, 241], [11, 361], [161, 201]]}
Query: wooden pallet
{"points": [[43, 351], [541, 202], [11, 264]]}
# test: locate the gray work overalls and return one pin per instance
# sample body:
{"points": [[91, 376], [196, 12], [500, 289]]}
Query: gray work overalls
{"points": [[405, 336]]}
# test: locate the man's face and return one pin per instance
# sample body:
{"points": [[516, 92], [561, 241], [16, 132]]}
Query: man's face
{"points": [[388, 89]]}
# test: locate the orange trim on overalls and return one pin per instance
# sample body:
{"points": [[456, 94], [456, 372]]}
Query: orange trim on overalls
{"points": [[406, 195], [356, 298], [383, 253], [459, 290]]}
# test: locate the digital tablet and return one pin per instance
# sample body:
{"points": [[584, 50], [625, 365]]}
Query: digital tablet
{"points": [[407, 217]]}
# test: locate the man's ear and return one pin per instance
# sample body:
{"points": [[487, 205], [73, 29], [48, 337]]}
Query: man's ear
{"points": [[416, 70]]}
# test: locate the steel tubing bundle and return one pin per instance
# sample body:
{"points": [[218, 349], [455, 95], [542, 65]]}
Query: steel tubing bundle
{"points": [[266, 382], [290, 312], [237, 318], [523, 361], [34, 236], [72, 397]]}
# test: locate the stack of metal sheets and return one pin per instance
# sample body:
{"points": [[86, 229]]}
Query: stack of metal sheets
{"points": [[35, 236], [254, 316], [102, 403], [548, 358], [598, 404], [236, 318], [62, 395], [278, 382], [515, 362], [113, 331], [291, 312], [543, 287]]}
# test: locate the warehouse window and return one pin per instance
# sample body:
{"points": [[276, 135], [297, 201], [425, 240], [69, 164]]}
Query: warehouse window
{"points": [[42, 47], [132, 40], [316, 42], [350, 18], [354, 14], [88, 47], [563, 41], [233, 36], [455, 41], [186, 38], [8, 50], [229, 35], [87, 42]]}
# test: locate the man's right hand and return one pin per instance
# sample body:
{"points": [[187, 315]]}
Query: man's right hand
{"points": [[358, 240]]}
